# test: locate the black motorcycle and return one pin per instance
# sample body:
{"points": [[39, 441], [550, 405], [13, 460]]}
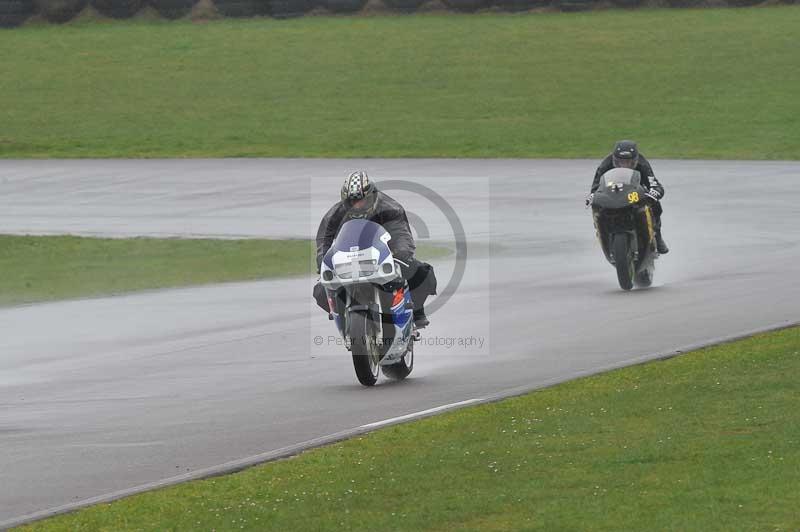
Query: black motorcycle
{"points": [[623, 219]]}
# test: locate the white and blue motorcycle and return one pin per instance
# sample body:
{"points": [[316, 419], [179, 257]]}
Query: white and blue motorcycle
{"points": [[370, 302]]}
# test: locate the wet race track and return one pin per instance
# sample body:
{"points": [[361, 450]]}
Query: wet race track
{"points": [[105, 394]]}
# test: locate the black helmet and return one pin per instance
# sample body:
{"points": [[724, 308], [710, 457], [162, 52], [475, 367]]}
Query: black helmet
{"points": [[626, 154]]}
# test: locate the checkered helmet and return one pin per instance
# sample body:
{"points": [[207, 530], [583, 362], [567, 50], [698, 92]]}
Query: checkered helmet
{"points": [[357, 186]]}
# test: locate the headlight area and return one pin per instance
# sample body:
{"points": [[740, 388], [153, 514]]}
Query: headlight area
{"points": [[365, 268]]}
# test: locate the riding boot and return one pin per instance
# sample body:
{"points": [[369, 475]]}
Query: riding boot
{"points": [[422, 282], [660, 244], [420, 320]]}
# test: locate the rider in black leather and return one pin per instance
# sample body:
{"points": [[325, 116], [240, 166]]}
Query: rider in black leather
{"points": [[360, 198], [626, 155]]}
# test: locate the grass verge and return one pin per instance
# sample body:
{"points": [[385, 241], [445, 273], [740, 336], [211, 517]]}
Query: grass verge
{"points": [[706, 441], [62, 267], [705, 83]]}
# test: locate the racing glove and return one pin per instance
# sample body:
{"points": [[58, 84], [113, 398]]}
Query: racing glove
{"points": [[654, 194]]}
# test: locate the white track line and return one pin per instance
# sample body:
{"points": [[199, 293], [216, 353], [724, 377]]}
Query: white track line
{"points": [[420, 414]]}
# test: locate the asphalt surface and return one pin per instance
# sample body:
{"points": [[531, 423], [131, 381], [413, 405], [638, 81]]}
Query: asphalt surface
{"points": [[104, 394]]}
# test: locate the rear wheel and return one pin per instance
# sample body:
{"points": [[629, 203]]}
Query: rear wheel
{"points": [[366, 353], [623, 260], [401, 370]]}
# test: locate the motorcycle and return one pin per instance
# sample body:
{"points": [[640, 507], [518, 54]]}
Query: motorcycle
{"points": [[623, 220], [370, 302]]}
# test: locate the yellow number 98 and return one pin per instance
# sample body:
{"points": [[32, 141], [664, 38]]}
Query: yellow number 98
{"points": [[633, 197]]}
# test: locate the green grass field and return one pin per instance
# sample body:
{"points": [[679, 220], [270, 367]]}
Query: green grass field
{"points": [[703, 83], [50, 268], [708, 441]]}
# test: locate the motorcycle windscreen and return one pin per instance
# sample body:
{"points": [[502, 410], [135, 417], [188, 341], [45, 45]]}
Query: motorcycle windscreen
{"points": [[356, 235], [620, 176]]}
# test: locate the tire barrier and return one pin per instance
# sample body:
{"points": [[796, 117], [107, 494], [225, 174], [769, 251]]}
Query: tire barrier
{"points": [[14, 12], [466, 6], [173, 9], [290, 8], [570, 6], [344, 6], [118, 8], [405, 6], [60, 11], [520, 5], [683, 3], [241, 8]]}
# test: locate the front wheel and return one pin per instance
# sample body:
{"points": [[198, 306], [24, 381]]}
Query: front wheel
{"points": [[366, 354], [623, 260], [400, 370]]}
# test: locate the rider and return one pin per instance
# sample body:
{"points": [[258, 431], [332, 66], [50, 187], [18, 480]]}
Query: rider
{"points": [[361, 199], [626, 155]]}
